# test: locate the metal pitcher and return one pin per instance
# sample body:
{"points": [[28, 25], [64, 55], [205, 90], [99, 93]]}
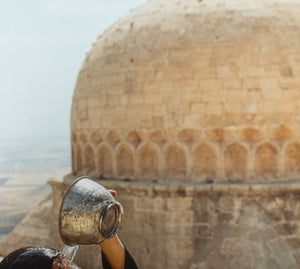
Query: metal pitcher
{"points": [[89, 213]]}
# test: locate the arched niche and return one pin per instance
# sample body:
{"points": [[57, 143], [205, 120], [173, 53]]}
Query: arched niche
{"points": [[89, 158], [147, 160], [175, 161], [292, 158], [220, 134], [235, 157], [105, 161], [78, 163], [113, 138], [96, 137], [266, 160], [83, 137], [282, 132], [251, 134], [204, 160], [159, 137], [124, 158], [188, 135], [134, 138]]}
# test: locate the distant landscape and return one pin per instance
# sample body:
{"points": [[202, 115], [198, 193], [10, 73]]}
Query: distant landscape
{"points": [[25, 168], [34, 156]]}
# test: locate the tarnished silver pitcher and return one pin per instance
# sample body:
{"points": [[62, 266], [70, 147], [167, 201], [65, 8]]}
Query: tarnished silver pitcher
{"points": [[89, 213]]}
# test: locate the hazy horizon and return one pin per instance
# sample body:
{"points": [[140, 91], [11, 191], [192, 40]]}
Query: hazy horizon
{"points": [[42, 46]]}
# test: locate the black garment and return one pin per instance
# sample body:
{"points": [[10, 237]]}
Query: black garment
{"points": [[129, 261], [30, 258]]}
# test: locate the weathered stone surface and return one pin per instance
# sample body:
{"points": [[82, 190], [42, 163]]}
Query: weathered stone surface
{"points": [[205, 225], [210, 226], [223, 78]]}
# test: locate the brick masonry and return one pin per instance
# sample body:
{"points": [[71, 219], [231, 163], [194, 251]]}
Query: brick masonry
{"points": [[203, 225], [191, 110], [197, 91], [221, 154]]}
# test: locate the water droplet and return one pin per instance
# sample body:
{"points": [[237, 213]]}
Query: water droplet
{"points": [[70, 252]]}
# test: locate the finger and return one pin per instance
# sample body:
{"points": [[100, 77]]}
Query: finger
{"points": [[113, 193]]}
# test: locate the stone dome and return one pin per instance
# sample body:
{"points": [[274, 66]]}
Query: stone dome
{"points": [[192, 90]]}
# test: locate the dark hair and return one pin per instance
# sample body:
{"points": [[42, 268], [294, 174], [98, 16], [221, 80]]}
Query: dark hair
{"points": [[30, 258]]}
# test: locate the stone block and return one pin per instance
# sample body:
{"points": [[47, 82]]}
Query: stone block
{"points": [[288, 108], [113, 100], [205, 73], [158, 122], [164, 84], [269, 264], [159, 110], [197, 108], [152, 99], [225, 217], [228, 204], [184, 204], [120, 111], [282, 132], [186, 87], [278, 248], [203, 231], [201, 265], [227, 71], [136, 99], [192, 120], [286, 261], [251, 134], [220, 134], [236, 109], [263, 233]]}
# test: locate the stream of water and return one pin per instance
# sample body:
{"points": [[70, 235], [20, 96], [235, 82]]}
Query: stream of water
{"points": [[70, 252]]}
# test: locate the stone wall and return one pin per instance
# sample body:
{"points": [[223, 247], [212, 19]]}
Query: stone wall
{"points": [[194, 90], [191, 110], [198, 226], [200, 155]]}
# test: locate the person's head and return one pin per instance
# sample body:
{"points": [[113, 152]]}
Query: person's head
{"points": [[36, 258]]}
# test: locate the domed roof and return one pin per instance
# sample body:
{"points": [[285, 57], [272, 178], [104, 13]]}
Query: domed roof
{"points": [[197, 90]]}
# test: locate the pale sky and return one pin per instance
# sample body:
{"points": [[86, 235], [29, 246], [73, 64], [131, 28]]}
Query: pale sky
{"points": [[42, 46]]}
